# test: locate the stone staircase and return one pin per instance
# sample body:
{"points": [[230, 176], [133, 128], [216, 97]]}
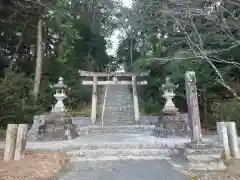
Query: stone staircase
{"points": [[118, 108], [204, 157], [121, 151], [118, 122], [118, 115], [126, 129], [109, 147]]}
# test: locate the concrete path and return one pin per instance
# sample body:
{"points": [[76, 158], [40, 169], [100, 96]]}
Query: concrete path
{"points": [[109, 139], [122, 170]]}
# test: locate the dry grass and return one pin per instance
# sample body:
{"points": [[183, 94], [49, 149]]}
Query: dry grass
{"points": [[214, 177], [35, 166]]}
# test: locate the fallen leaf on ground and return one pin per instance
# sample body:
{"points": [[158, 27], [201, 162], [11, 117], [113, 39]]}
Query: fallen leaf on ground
{"points": [[35, 166]]}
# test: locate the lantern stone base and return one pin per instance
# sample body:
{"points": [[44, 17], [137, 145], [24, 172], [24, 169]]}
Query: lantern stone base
{"points": [[172, 121], [171, 124], [53, 127]]}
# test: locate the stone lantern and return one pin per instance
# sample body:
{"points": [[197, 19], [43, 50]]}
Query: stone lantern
{"points": [[60, 96], [56, 125], [169, 94], [170, 123]]}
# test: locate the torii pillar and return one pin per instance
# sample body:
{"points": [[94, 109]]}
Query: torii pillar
{"points": [[135, 99], [94, 100]]}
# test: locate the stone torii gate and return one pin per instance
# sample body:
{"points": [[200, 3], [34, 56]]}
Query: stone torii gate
{"points": [[115, 81]]}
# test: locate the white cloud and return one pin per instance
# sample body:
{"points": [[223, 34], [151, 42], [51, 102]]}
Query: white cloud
{"points": [[127, 3]]}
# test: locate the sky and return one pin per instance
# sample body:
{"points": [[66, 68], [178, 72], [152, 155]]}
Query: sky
{"points": [[114, 38], [127, 3]]}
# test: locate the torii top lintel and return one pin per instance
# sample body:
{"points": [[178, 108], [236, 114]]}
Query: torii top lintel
{"points": [[104, 74]]}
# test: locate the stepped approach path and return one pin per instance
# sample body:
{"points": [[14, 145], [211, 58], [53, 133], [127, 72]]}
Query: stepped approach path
{"points": [[122, 157], [121, 149]]}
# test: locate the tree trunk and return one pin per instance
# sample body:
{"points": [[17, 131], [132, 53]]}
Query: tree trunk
{"points": [[131, 49], [38, 62]]}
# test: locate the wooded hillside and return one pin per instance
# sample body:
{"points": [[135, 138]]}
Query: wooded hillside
{"points": [[42, 40], [73, 37], [169, 37]]}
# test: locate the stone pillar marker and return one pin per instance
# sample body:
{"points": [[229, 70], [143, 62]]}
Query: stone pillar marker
{"points": [[202, 156], [10, 143], [135, 100], [233, 139], [223, 136], [21, 141], [94, 100], [193, 109]]}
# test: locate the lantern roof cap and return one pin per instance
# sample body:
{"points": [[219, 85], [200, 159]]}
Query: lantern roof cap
{"points": [[168, 84], [60, 84]]}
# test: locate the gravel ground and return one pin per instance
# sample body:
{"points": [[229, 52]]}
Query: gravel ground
{"points": [[35, 166]]}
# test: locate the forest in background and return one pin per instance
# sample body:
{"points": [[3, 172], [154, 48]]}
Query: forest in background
{"points": [[162, 38], [170, 37], [73, 36]]}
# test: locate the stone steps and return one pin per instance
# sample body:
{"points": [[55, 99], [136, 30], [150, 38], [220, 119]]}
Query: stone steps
{"points": [[120, 145], [204, 157], [119, 152], [115, 123], [207, 167], [92, 143], [119, 119], [117, 158], [118, 109], [198, 158], [118, 106], [189, 151], [123, 127], [118, 129]]}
